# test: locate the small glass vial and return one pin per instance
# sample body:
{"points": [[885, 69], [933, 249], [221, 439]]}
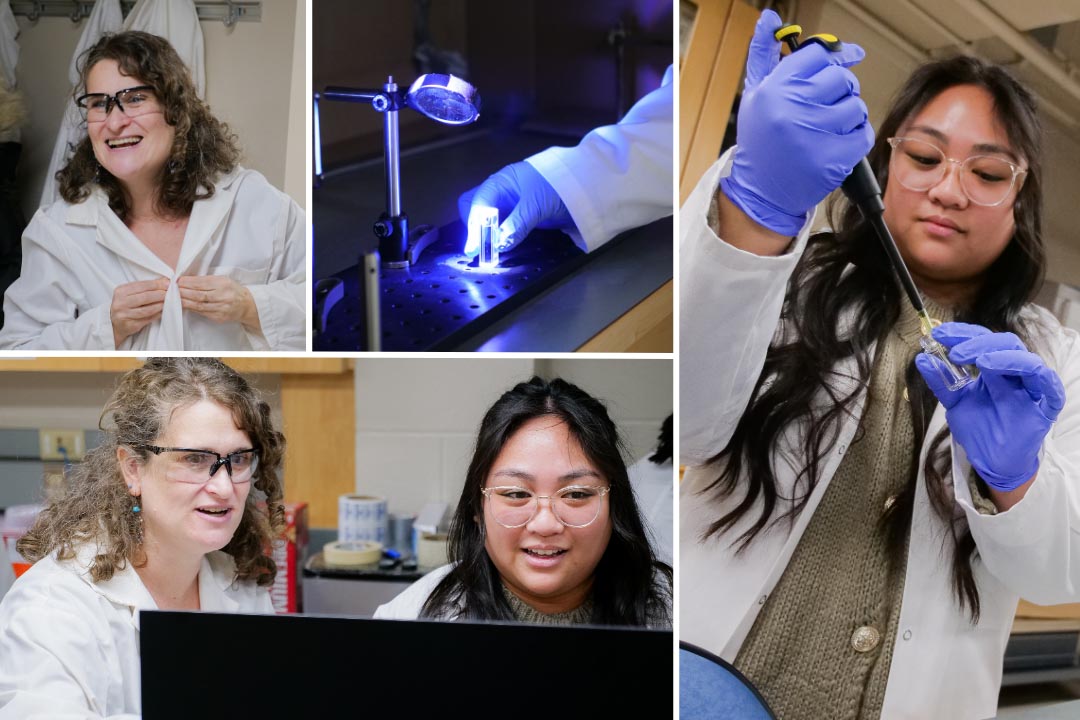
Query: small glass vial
{"points": [[489, 237], [955, 376]]}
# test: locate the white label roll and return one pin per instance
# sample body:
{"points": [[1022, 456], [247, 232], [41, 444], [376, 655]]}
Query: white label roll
{"points": [[362, 517]]}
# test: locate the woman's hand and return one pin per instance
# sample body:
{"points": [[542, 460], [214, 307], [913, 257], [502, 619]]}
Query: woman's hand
{"points": [[135, 305], [801, 129], [1000, 419], [220, 299]]}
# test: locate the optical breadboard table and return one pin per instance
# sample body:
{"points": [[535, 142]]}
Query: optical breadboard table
{"points": [[546, 295]]}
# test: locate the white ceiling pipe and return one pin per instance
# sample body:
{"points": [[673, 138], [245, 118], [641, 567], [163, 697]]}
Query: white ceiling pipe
{"points": [[919, 54], [1021, 43]]}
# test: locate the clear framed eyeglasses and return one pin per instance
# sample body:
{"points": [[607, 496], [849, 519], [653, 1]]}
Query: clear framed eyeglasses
{"points": [[188, 465], [986, 180], [132, 102], [574, 505]]}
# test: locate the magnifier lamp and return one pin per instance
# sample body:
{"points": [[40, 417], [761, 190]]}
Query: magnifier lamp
{"points": [[445, 99]]}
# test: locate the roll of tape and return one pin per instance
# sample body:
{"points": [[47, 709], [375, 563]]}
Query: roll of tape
{"points": [[362, 517], [431, 550], [363, 552]]}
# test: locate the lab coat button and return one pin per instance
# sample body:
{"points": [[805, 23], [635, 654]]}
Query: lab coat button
{"points": [[762, 599], [907, 634], [842, 448], [865, 639]]}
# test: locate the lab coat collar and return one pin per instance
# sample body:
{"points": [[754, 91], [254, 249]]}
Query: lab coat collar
{"points": [[216, 575], [207, 215]]}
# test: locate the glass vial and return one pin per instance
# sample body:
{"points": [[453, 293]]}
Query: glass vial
{"points": [[489, 238], [955, 376]]}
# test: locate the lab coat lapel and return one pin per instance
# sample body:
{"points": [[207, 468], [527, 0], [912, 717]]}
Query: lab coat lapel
{"points": [[113, 234], [213, 588], [123, 588], [205, 227]]}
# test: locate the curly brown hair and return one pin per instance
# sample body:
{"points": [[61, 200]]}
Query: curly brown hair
{"points": [[203, 149], [95, 505]]}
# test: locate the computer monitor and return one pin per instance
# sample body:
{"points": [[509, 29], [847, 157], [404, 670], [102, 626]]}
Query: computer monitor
{"points": [[202, 665]]}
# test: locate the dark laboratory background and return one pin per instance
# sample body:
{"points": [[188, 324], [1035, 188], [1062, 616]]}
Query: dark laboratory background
{"points": [[547, 73]]}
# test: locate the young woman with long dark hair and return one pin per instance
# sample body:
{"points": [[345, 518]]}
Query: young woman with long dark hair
{"points": [[855, 549], [547, 529]]}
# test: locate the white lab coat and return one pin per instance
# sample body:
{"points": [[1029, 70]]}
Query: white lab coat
{"points": [[178, 22], [619, 176], [105, 17], [654, 488], [69, 647], [942, 666], [408, 604], [74, 256]]}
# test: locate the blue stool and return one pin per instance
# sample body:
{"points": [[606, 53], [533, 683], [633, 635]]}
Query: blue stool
{"points": [[711, 689]]}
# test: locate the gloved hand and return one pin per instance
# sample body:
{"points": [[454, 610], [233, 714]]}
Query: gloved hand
{"points": [[1000, 419], [802, 128], [525, 201]]}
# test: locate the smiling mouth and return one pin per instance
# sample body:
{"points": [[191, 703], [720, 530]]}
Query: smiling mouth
{"points": [[544, 553], [215, 513], [124, 141]]}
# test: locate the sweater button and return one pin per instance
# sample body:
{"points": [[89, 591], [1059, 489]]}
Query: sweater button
{"points": [[889, 502], [865, 639]]}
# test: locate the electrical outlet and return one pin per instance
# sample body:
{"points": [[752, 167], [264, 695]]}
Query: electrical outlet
{"points": [[55, 444]]}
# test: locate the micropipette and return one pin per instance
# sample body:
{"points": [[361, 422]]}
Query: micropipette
{"points": [[862, 189]]}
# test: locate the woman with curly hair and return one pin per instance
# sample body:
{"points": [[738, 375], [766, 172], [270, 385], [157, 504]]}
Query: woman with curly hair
{"points": [[162, 241], [163, 514], [547, 529]]}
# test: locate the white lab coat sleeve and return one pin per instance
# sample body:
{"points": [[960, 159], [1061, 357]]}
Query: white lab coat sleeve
{"points": [[729, 307], [410, 602], [1034, 547], [281, 303], [619, 176], [55, 661], [40, 308]]}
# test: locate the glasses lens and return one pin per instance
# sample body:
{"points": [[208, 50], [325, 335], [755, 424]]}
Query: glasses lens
{"points": [[243, 465], [511, 506], [190, 466], [917, 165], [95, 107], [987, 180], [137, 101], [578, 506]]}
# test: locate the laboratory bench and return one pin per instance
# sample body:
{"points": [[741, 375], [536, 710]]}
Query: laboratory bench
{"points": [[550, 296], [1042, 650]]}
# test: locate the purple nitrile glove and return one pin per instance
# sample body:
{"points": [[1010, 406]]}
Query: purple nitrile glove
{"points": [[801, 129], [525, 201], [1001, 418]]}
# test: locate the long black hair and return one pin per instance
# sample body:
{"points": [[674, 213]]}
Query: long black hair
{"points": [[846, 275], [630, 586]]}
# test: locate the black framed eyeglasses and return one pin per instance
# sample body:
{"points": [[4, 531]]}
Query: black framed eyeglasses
{"points": [[133, 101], [197, 466]]}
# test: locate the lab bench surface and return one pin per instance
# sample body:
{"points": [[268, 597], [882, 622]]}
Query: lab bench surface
{"points": [[565, 314]]}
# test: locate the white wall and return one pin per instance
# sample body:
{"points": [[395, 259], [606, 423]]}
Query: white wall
{"points": [[417, 419], [251, 84]]}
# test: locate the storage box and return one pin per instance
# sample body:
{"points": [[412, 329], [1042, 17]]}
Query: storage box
{"points": [[289, 556]]}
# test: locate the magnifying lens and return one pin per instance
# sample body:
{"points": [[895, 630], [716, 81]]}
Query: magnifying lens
{"points": [[444, 98]]}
